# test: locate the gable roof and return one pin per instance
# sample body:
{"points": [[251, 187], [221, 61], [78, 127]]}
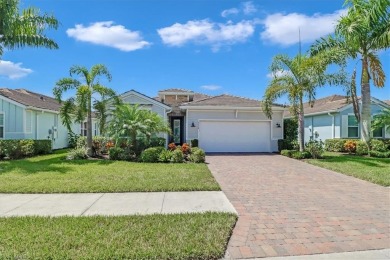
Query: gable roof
{"points": [[328, 104], [152, 100], [226, 100], [31, 99]]}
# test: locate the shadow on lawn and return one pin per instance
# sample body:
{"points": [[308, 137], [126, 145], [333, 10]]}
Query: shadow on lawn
{"points": [[51, 163], [368, 161]]}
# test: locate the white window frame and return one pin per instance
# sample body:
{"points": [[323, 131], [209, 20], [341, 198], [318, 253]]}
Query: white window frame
{"points": [[96, 129], [358, 127], [3, 125], [83, 127]]}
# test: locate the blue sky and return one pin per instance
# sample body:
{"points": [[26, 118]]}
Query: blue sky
{"points": [[208, 46]]}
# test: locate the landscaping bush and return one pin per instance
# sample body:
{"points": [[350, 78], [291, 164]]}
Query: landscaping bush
{"points": [[77, 154], [151, 155], [315, 148], [72, 139], [172, 146], [300, 155], [165, 156], [197, 155], [99, 145], [287, 153], [177, 156], [81, 142], [287, 144], [361, 148], [157, 142], [378, 145], [335, 145], [17, 149], [378, 154], [185, 148], [290, 129], [350, 146], [194, 143], [42, 147], [117, 153]]}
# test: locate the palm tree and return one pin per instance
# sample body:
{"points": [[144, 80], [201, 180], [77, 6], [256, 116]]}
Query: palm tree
{"points": [[131, 121], [25, 29], [382, 120], [360, 34], [79, 108], [298, 78]]}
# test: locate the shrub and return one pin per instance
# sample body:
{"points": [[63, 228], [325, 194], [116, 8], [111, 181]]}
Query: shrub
{"points": [[287, 153], [116, 153], [300, 155], [151, 155], [315, 148], [157, 142], [17, 149], [361, 148], [99, 144], [42, 147], [72, 139], [378, 145], [77, 154], [177, 156], [378, 154], [165, 156], [185, 148], [335, 145], [81, 142], [172, 146], [194, 143], [197, 155], [350, 146], [287, 144], [290, 128]]}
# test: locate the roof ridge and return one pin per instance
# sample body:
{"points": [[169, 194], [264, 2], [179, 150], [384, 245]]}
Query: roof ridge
{"points": [[247, 98], [182, 89], [35, 93]]}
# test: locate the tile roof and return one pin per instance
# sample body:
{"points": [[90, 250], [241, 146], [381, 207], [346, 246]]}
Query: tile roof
{"points": [[225, 100], [387, 102], [29, 98], [178, 90], [329, 103], [197, 96]]}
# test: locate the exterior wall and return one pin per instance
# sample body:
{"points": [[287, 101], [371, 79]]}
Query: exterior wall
{"points": [[196, 115], [13, 129]]}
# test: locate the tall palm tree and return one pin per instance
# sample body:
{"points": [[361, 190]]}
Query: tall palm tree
{"points": [[79, 108], [298, 78], [360, 34], [131, 121], [25, 29]]}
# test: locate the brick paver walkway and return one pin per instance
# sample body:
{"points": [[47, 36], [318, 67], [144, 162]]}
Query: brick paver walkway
{"points": [[287, 207]]}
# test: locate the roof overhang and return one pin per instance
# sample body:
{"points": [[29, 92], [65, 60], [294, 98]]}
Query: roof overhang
{"points": [[142, 96], [229, 108], [12, 101]]}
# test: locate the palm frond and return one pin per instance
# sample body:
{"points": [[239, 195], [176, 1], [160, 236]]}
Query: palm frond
{"points": [[376, 71], [64, 85]]}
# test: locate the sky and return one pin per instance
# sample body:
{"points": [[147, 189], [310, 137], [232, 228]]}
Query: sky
{"points": [[208, 46]]}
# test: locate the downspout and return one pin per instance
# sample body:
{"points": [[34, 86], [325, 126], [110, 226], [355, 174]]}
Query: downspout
{"points": [[333, 127]]}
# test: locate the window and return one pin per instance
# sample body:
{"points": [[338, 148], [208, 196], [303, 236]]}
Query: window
{"points": [[353, 127], [96, 129], [83, 129], [378, 133], [1, 126]]}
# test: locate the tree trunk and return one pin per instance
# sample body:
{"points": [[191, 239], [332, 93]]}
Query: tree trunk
{"points": [[89, 127], [301, 126], [366, 104]]}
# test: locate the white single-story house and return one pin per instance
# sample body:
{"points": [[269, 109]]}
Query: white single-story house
{"points": [[28, 115], [333, 117], [223, 123]]}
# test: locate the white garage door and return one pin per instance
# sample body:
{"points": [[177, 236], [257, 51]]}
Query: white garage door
{"points": [[235, 136]]}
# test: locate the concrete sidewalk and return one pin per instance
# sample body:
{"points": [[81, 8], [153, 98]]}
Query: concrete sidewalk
{"points": [[113, 204]]}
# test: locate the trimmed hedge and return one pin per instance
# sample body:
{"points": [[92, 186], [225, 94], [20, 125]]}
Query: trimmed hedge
{"points": [[17, 149], [287, 144], [296, 154], [337, 145]]}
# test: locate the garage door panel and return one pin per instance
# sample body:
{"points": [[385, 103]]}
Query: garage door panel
{"points": [[235, 136]]}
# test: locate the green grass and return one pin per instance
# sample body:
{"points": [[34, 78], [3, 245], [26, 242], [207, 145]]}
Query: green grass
{"points": [[375, 170], [53, 174], [179, 236]]}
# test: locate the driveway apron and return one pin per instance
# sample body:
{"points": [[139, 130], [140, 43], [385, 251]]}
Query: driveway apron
{"points": [[287, 207]]}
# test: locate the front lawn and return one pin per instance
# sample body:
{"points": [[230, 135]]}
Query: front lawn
{"points": [[375, 170], [180, 236], [53, 174]]}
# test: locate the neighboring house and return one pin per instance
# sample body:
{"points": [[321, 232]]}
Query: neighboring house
{"points": [[28, 115], [333, 117], [221, 123]]}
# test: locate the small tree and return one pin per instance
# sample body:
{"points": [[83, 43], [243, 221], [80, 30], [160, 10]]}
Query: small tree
{"points": [[78, 108], [131, 121], [25, 29]]}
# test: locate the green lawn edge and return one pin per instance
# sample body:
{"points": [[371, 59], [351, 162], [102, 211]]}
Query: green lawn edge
{"points": [[175, 236], [53, 174]]}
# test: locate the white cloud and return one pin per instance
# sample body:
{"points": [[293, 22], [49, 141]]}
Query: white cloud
{"points": [[230, 11], [277, 74], [211, 87], [205, 32], [108, 34], [283, 28], [249, 8], [13, 70]]}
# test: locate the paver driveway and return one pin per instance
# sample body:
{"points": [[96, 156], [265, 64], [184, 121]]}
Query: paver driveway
{"points": [[288, 207]]}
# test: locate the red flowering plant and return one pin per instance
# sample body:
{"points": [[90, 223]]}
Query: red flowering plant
{"points": [[185, 148], [172, 146], [350, 146]]}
